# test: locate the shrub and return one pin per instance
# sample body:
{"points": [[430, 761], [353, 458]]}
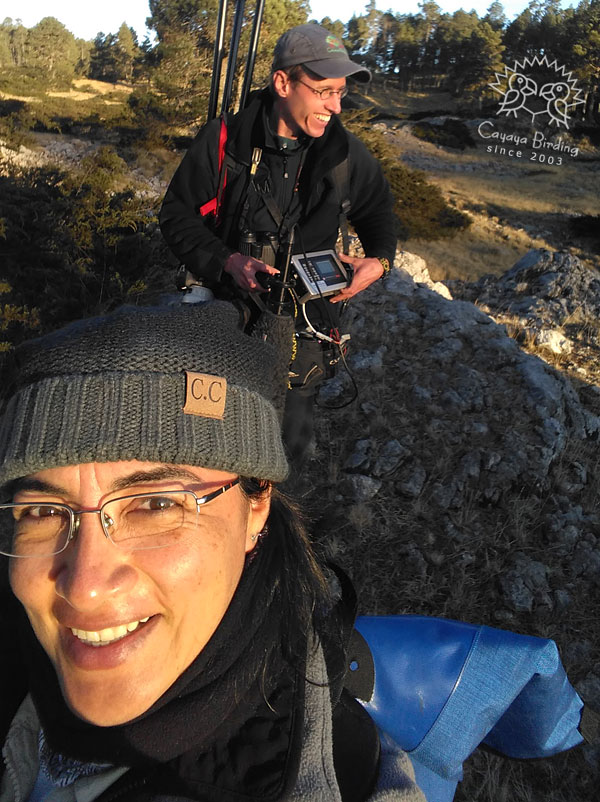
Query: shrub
{"points": [[451, 134], [74, 244], [587, 226], [420, 208]]}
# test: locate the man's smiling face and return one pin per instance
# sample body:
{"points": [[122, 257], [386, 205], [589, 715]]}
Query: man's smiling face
{"points": [[299, 107]]}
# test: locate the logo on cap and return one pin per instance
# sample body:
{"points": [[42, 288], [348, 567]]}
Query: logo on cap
{"points": [[205, 395], [334, 45]]}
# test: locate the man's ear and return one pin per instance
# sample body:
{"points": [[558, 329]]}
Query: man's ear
{"points": [[281, 83]]}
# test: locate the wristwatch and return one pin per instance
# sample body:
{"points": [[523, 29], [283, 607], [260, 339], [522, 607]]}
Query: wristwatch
{"points": [[385, 263]]}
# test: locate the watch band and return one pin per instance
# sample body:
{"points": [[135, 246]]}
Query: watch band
{"points": [[385, 263]]}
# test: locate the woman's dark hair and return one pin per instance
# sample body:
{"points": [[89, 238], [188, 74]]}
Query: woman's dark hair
{"points": [[301, 584]]}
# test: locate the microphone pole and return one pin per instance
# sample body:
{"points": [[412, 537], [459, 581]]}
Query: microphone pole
{"points": [[238, 20], [218, 55], [258, 13]]}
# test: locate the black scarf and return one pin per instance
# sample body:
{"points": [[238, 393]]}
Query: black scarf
{"points": [[231, 722]]}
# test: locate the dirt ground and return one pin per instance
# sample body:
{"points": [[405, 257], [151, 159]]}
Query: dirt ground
{"points": [[515, 204], [81, 89]]}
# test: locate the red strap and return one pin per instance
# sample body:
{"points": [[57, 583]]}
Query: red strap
{"points": [[222, 142], [210, 207]]}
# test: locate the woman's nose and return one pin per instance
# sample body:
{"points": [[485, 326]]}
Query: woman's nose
{"points": [[92, 569]]}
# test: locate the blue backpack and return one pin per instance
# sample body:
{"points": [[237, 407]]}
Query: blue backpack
{"points": [[440, 688]]}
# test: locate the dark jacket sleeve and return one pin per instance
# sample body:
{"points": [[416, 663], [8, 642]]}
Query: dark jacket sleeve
{"points": [[371, 212], [194, 183]]}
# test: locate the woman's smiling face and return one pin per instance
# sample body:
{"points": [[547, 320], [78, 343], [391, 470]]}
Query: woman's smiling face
{"points": [[120, 626]]}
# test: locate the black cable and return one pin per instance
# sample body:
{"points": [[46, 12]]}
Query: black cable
{"points": [[333, 328]]}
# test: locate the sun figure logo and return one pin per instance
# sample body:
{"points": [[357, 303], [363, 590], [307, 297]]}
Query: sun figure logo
{"points": [[537, 86]]}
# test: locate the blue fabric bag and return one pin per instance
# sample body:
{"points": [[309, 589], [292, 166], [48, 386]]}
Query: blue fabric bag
{"points": [[443, 687]]}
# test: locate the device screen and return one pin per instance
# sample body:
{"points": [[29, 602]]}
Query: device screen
{"points": [[327, 269]]}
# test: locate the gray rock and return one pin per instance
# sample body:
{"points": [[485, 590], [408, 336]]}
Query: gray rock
{"points": [[589, 689], [391, 457], [445, 350], [517, 595], [543, 287], [586, 562], [533, 572], [414, 563], [575, 479], [362, 488], [562, 600], [360, 458], [421, 394], [366, 360], [414, 481], [333, 389]]}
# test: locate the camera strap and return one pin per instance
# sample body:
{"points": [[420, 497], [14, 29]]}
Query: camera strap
{"points": [[284, 221]]}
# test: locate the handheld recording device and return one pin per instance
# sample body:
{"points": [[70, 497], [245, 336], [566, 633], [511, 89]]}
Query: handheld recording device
{"points": [[321, 273]]}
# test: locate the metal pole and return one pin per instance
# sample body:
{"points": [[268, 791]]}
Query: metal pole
{"points": [[217, 60], [233, 51], [282, 262], [258, 13]]}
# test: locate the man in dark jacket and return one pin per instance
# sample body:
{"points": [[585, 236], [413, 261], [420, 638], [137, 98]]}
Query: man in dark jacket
{"points": [[279, 170]]}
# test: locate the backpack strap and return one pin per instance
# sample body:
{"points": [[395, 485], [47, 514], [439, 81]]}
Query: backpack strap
{"points": [[341, 183], [213, 206]]}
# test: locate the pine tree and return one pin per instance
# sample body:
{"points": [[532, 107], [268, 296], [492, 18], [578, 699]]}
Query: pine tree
{"points": [[6, 59], [183, 58], [581, 45], [127, 52], [495, 15], [51, 49], [104, 58]]}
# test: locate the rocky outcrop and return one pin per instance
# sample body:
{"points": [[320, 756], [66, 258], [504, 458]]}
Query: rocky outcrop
{"points": [[467, 462], [459, 377], [544, 288], [544, 292]]}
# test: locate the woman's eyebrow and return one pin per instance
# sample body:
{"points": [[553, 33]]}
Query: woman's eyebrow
{"points": [[154, 475], [27, 483]]}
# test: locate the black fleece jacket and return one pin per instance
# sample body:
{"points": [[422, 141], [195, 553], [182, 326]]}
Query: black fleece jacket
{"points": [[204, 249]]}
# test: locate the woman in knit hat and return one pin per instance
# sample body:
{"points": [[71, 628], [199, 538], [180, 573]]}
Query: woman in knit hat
{"points": [[176, 633]]}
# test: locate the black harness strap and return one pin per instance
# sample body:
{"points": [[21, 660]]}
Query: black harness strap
{"points": [[341, 182]]}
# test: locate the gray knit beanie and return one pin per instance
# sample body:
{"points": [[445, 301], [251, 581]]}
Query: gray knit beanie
{"points": [[172, 384]]}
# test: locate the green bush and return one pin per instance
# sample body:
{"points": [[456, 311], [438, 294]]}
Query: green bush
{"points": [[587, 226], [23, 82], [420, 208], [74, 244], [451, 134]]}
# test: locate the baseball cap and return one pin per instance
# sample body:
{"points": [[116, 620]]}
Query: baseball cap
{"points": [[318, 49]]}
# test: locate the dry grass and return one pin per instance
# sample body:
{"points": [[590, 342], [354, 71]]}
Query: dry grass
{"points": [[485, 247], [82, 89], [385, 97], [512, 211], [515, 204], [87, 89], [101, 87]]}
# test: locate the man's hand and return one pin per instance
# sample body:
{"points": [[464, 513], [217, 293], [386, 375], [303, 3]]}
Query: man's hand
{"points": [[243, 270], [366, 271]]}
